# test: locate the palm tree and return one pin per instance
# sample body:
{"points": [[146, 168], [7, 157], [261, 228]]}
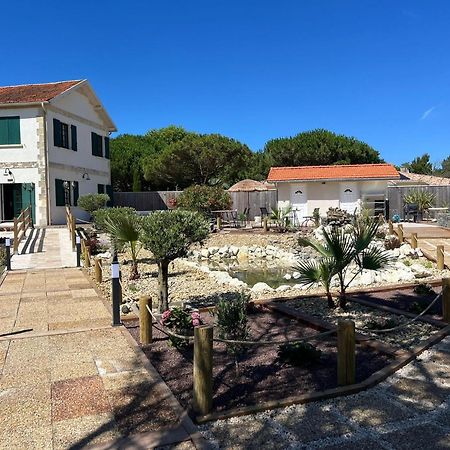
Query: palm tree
{"points": [[338, 252], [125, 230], [281, 216]]}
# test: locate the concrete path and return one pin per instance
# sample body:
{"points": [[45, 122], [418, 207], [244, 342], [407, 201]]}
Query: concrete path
{"points": [[51, 248], [410, 410], [73, 381]]}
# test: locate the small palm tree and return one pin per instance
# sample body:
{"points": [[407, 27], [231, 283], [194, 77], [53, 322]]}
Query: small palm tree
{"points": [[125, 230], [281, 216], [337, 253], [422, 198]]}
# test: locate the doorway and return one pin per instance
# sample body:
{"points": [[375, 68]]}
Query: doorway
{"points": [[17, 197]]}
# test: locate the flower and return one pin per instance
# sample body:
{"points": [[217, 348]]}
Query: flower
{"points": [[165, 316], [195, 322], [195, 315]]}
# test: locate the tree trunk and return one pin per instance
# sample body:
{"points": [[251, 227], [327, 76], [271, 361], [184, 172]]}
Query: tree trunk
{"points": [[330, 300], [163, 282], [342, 300], [134, 274]]}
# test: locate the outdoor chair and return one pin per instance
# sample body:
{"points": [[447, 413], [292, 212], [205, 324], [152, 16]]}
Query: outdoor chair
{"points": [[264, 212], [234, 219]]}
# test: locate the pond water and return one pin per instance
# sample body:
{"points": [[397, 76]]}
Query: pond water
{"points": [[261, 272]]}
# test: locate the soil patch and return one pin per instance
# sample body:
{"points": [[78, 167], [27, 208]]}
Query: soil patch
{"points": [[261, 377]]}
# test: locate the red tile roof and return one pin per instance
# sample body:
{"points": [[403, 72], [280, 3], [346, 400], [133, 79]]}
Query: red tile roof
{"points": [[30, 93], [338, 172]]}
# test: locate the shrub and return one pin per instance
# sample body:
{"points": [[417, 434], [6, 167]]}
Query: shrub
{"points": [[204, 199], [2, 258], [104, 215], [423, 199], [423, 289], [381, 324], [93, 202], [298, 353], [182, 322], [232, 322], [416, 307]]}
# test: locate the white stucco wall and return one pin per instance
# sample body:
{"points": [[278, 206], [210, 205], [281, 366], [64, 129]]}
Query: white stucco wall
{"points": [[324, 195]]}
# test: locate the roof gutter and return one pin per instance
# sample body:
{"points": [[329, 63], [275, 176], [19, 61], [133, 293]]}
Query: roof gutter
{"points": [[18, 105], [47, 168], [332, 179]]}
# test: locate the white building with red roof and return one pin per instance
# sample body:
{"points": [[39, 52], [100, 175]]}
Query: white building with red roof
{"points": [[348, 187], [54, 147]]}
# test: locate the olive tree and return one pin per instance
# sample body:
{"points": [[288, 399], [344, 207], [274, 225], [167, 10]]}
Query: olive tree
{"points": [[168, 235]]}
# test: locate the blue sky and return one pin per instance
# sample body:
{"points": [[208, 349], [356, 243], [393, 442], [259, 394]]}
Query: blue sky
{"points": [[253, 70]]}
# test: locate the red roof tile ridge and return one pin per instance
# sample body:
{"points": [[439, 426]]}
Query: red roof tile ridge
{"points": [[41, 84], [331, 165]]}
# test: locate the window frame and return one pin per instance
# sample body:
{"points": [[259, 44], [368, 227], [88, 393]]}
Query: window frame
{"points": [[9, 119]]}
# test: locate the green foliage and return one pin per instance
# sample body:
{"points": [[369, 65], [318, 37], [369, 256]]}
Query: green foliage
{"points": [[199, 159], [168, 235], [204, 199], [125, 231], [421, 164], [298, 353], [319, 147], [316, 217], [423, 289], [232, 322], [281, 217], [407, 262], [93, 202], [444, 170], [339, 250], [101, 216], [422, 198], [182, 322]]}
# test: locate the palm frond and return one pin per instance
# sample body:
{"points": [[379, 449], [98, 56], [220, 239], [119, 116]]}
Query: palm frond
{"points": [[317, 246], [373, 258]]}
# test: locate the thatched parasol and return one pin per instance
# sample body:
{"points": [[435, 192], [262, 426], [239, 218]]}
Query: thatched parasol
{"points": [[250, 186]]}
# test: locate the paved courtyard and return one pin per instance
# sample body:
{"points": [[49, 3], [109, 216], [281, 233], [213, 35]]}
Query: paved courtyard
{"points": [[73, 381]]}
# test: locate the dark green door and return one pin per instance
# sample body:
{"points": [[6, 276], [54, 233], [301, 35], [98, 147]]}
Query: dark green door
{"points": [[28, 198], [17, 199]]}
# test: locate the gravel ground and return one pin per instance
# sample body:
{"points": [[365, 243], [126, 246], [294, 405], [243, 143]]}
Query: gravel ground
{"points": [[404, 338], [409, 410]]}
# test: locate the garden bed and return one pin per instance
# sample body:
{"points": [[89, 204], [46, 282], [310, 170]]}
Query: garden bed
{"points": [[262, 376], [369, 316]]}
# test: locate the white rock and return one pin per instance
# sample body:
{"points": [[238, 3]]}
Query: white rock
{"points": [[223, 250], [288, 276], [234, 250], [204, 253], [213, 250], [419, 252], [406, 249], [296, 275], [396, 252], [282, 288], [367, 278], [261, 287], [420, 271], [105, 255]]}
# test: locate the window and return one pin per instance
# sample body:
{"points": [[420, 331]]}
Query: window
{"points": [[10, 130], [101, 188], [106, 147], [76, 192], [109, 191], [61, 193], [61, 137], [97, 144]]}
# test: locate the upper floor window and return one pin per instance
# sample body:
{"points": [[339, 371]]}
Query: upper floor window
{"points": [[62, 137], [9, 130], [97, 144]]}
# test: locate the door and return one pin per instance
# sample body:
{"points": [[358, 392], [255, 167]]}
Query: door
{"points": [[349, 197], [299, 202], [28, 198]]}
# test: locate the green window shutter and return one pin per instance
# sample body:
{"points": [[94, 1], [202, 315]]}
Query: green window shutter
{"points": [[14, 130], [76, 193], [100, 145], [94, 143], [109, 191], [107, 147], [4, 130], [59, 190], [9, 130], [57, 138], [101, 188], [73, 133]]}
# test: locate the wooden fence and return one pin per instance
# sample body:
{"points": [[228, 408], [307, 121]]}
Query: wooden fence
{"points": [[395, 195], [71, 226], [158, 200], [21, 224]]}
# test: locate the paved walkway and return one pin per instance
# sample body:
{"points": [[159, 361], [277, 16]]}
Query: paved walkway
{"points": [[51, 249], [409, 411], [429, 237], [74, 381]]}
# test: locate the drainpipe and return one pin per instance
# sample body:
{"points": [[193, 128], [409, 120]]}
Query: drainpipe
{"points": [[47, 169]]}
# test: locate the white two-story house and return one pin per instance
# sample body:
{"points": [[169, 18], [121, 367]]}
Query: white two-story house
{"points": [[54, 147]]}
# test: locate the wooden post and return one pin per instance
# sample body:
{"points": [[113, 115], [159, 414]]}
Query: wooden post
{"points": [[72, 232], [98, 270], [346, 352], [87, 256], [414, 240], [400, 232], [145, 320], [446, 300], [219, 222], [391, 227], [440, 257], [16, 237], [265, 224], [203, 380]]}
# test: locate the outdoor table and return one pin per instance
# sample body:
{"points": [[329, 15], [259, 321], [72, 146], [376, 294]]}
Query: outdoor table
{"points": [[226, 214]]}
